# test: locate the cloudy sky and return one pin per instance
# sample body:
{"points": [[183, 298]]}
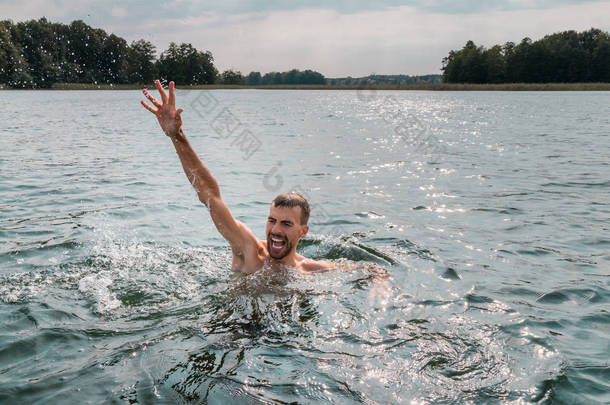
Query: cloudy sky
{"points": [[337, 38]]}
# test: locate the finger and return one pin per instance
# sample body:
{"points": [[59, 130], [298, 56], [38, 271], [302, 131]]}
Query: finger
{"points": [[151, 98], [161, 91], [172, 94], [149, 108], [178, 117]]}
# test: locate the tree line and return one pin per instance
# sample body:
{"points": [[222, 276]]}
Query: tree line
{"points": [[564, 57], [392, 80], [38, 53], [290, 77]]}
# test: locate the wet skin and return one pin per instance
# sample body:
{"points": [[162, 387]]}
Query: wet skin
{"points": [[283, 229]]}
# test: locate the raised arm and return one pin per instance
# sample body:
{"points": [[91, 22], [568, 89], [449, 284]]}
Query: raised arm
{"points": [[197, 173]]}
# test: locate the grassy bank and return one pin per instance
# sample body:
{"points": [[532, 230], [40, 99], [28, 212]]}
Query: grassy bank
{"points": [[423, 86], [516, 87], [92, 86], [433, 87]]}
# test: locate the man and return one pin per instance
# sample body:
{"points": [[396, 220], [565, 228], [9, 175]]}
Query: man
{"points": [[288, 215]]}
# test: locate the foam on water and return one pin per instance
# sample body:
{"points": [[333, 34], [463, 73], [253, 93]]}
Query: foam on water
{"points": [[343, 335], [96, 286]]}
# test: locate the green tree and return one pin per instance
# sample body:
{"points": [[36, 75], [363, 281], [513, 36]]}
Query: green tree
{"points": [[293, 76], [566, 56], [110, 65], [496, 65], [600, 61], [467, 65], [186, 65], [7, 51], [85, 49], [39, 47], [272, 78], [516, 61], [311, 77], [231, 77], [15, 69], [451, 66], [139, 63], [254, 79]]}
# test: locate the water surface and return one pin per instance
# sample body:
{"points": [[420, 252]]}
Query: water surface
{"points": [[489, 210]]}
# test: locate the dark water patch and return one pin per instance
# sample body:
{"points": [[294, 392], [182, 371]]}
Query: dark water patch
{"points": [[450, 274], [598, 242], [338, 222], [518, 290], [137, 183], [412, 248], [18, 319], [534, 251], [574, 295], [375, 253], [478, 299], [583, 385], [511, 194], [369, 214], [499, 210], [602, 184], [510, 211], [433, 303], [19, 355], [600, 319], [547, 388], [50, 219], [35, 315], [553, 297], [319, 249], [548, 249], [26, 249]]}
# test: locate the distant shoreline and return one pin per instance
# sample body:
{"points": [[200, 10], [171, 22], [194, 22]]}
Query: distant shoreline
{"points": [[422, 86]]}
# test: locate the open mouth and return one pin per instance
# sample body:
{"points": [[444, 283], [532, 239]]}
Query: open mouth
{"points": [[277, 243], [278, 246]]}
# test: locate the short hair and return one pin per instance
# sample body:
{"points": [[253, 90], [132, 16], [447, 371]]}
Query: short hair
{"points": [[293, 199]]}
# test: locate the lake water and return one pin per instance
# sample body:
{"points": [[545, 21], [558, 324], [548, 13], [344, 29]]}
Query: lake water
{"points": [[491, 212]]}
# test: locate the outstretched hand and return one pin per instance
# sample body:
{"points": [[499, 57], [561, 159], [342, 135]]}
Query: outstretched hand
{"points": [[166, 113]]}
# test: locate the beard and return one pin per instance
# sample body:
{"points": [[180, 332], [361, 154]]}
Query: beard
{"points": [[278, 253]]}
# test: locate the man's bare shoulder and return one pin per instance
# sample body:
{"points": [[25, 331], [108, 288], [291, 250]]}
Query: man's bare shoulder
{"points": [[315, 266]]}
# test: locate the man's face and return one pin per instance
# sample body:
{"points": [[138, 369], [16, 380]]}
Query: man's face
{"points": [[284, 230]]}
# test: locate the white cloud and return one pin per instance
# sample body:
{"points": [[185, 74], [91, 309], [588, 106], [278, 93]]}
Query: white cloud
{"points": [[118, 12], [396, 40], [406, 39], [35, 9]]}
